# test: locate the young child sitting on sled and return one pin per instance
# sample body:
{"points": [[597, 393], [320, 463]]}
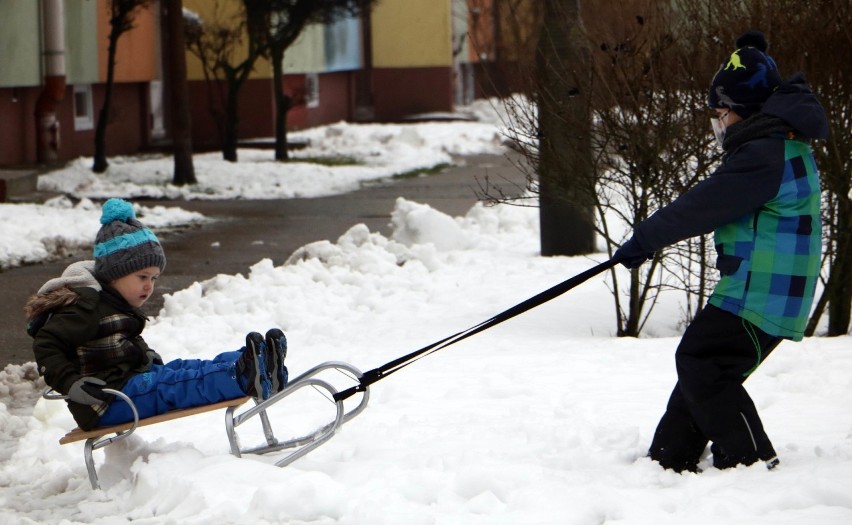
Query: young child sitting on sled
{"points": [[86, 327]]}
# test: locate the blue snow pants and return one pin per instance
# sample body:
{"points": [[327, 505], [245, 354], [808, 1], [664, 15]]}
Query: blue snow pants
{"points": [[182, 383]]}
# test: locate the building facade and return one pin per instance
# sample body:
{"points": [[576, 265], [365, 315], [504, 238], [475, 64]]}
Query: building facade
{"points": [[408, 58], [52, 75]]}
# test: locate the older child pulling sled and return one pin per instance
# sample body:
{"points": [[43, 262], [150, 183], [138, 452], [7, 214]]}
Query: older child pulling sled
{"points": [[763, 202]]}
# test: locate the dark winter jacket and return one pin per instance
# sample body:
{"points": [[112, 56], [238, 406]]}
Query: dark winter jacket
{"points": [[763, 203], [89, 332]]}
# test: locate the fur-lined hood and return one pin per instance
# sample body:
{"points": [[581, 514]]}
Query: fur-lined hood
{"points": [[40, 304], [58, 292]]}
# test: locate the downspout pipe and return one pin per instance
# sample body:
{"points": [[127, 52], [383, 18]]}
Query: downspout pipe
{"points": [[53, 51]]}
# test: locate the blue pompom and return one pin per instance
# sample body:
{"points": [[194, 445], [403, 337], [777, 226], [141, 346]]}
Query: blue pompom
{"points": [[117, 210]]}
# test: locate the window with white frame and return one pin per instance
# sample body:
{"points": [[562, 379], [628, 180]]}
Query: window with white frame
{"points": [[84, 113], [312, 92]]}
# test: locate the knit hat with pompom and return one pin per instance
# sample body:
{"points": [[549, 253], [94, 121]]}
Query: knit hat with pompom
{"points": [[123, 244], [746, 79]]}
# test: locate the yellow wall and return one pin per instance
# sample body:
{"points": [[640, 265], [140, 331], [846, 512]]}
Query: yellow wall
{"points": [[135, 59], [222, 13], [412, 33]]}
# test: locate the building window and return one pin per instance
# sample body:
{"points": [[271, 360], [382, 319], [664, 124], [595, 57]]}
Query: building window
{"points": [[84, 113], [312, 92], [158, 118]]}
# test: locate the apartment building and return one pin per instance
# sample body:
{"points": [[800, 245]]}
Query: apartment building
{"points": [[408, 58]]}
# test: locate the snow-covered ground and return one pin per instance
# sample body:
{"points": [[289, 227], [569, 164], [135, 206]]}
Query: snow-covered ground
{"points": [[544, 419], [361, 152], [33, 233]]}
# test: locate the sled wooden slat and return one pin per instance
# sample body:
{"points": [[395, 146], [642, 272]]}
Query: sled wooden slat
{"points": [[78, 435]]}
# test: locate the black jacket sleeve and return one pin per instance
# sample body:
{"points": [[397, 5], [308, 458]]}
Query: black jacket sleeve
{"points": [[747, 179], [54, 345]]}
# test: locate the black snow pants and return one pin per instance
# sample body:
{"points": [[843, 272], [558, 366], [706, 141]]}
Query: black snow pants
{"points": [[716, 355]]}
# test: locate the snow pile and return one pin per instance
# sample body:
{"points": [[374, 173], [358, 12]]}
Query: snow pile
{"points": [[34, 233], [544, 419], [367, 152]]}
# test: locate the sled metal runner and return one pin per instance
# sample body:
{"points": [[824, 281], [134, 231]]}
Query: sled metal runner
{"points": [[102, 437], [308, 442]]}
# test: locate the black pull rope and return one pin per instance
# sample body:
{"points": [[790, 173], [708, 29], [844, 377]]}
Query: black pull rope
{"points": [[390, 367]]}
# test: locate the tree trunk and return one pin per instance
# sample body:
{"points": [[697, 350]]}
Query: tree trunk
{"points": [[100, 161], [837, 294], [565, 171], [630, 328], [819, 309], [839, 286], [232, 120], [282, 104], [181, 124], [838, 302]]}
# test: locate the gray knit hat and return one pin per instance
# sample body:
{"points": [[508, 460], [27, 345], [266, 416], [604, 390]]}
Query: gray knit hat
{"points": [[123, 244]]}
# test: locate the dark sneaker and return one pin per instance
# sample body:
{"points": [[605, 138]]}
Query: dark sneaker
{"points": [[247, 372], [276, 352], [251, 368]]}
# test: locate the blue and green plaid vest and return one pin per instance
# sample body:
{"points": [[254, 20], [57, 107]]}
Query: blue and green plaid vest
{"points": [[780, 246]]}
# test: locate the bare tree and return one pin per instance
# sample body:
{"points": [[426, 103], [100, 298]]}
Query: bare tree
{"points": [[652, 63], [269, 28], [181, 131], [648, 142], [284, 21], [824, 26], [218, 43], [653, 140], [122, 15]]}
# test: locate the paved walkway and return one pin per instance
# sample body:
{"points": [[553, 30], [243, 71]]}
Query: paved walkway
{"points": [[245, 232]]}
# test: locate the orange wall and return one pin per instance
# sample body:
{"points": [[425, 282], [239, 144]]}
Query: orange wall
{"points": [[135, 59]]}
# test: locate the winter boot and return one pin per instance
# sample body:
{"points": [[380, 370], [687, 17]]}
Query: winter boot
{"points": [[252, 368], [276, 352], [723, 461]]}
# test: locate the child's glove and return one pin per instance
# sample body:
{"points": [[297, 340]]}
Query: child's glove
{"points": [[153, 358], [87, 391], [631, 254]]}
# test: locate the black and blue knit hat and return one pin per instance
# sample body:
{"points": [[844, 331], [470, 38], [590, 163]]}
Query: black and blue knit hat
{"points": [[746, 79], [123, 244]]}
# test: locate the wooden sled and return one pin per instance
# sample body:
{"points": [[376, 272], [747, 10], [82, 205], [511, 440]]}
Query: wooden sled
{"points": [[101, 437]]}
